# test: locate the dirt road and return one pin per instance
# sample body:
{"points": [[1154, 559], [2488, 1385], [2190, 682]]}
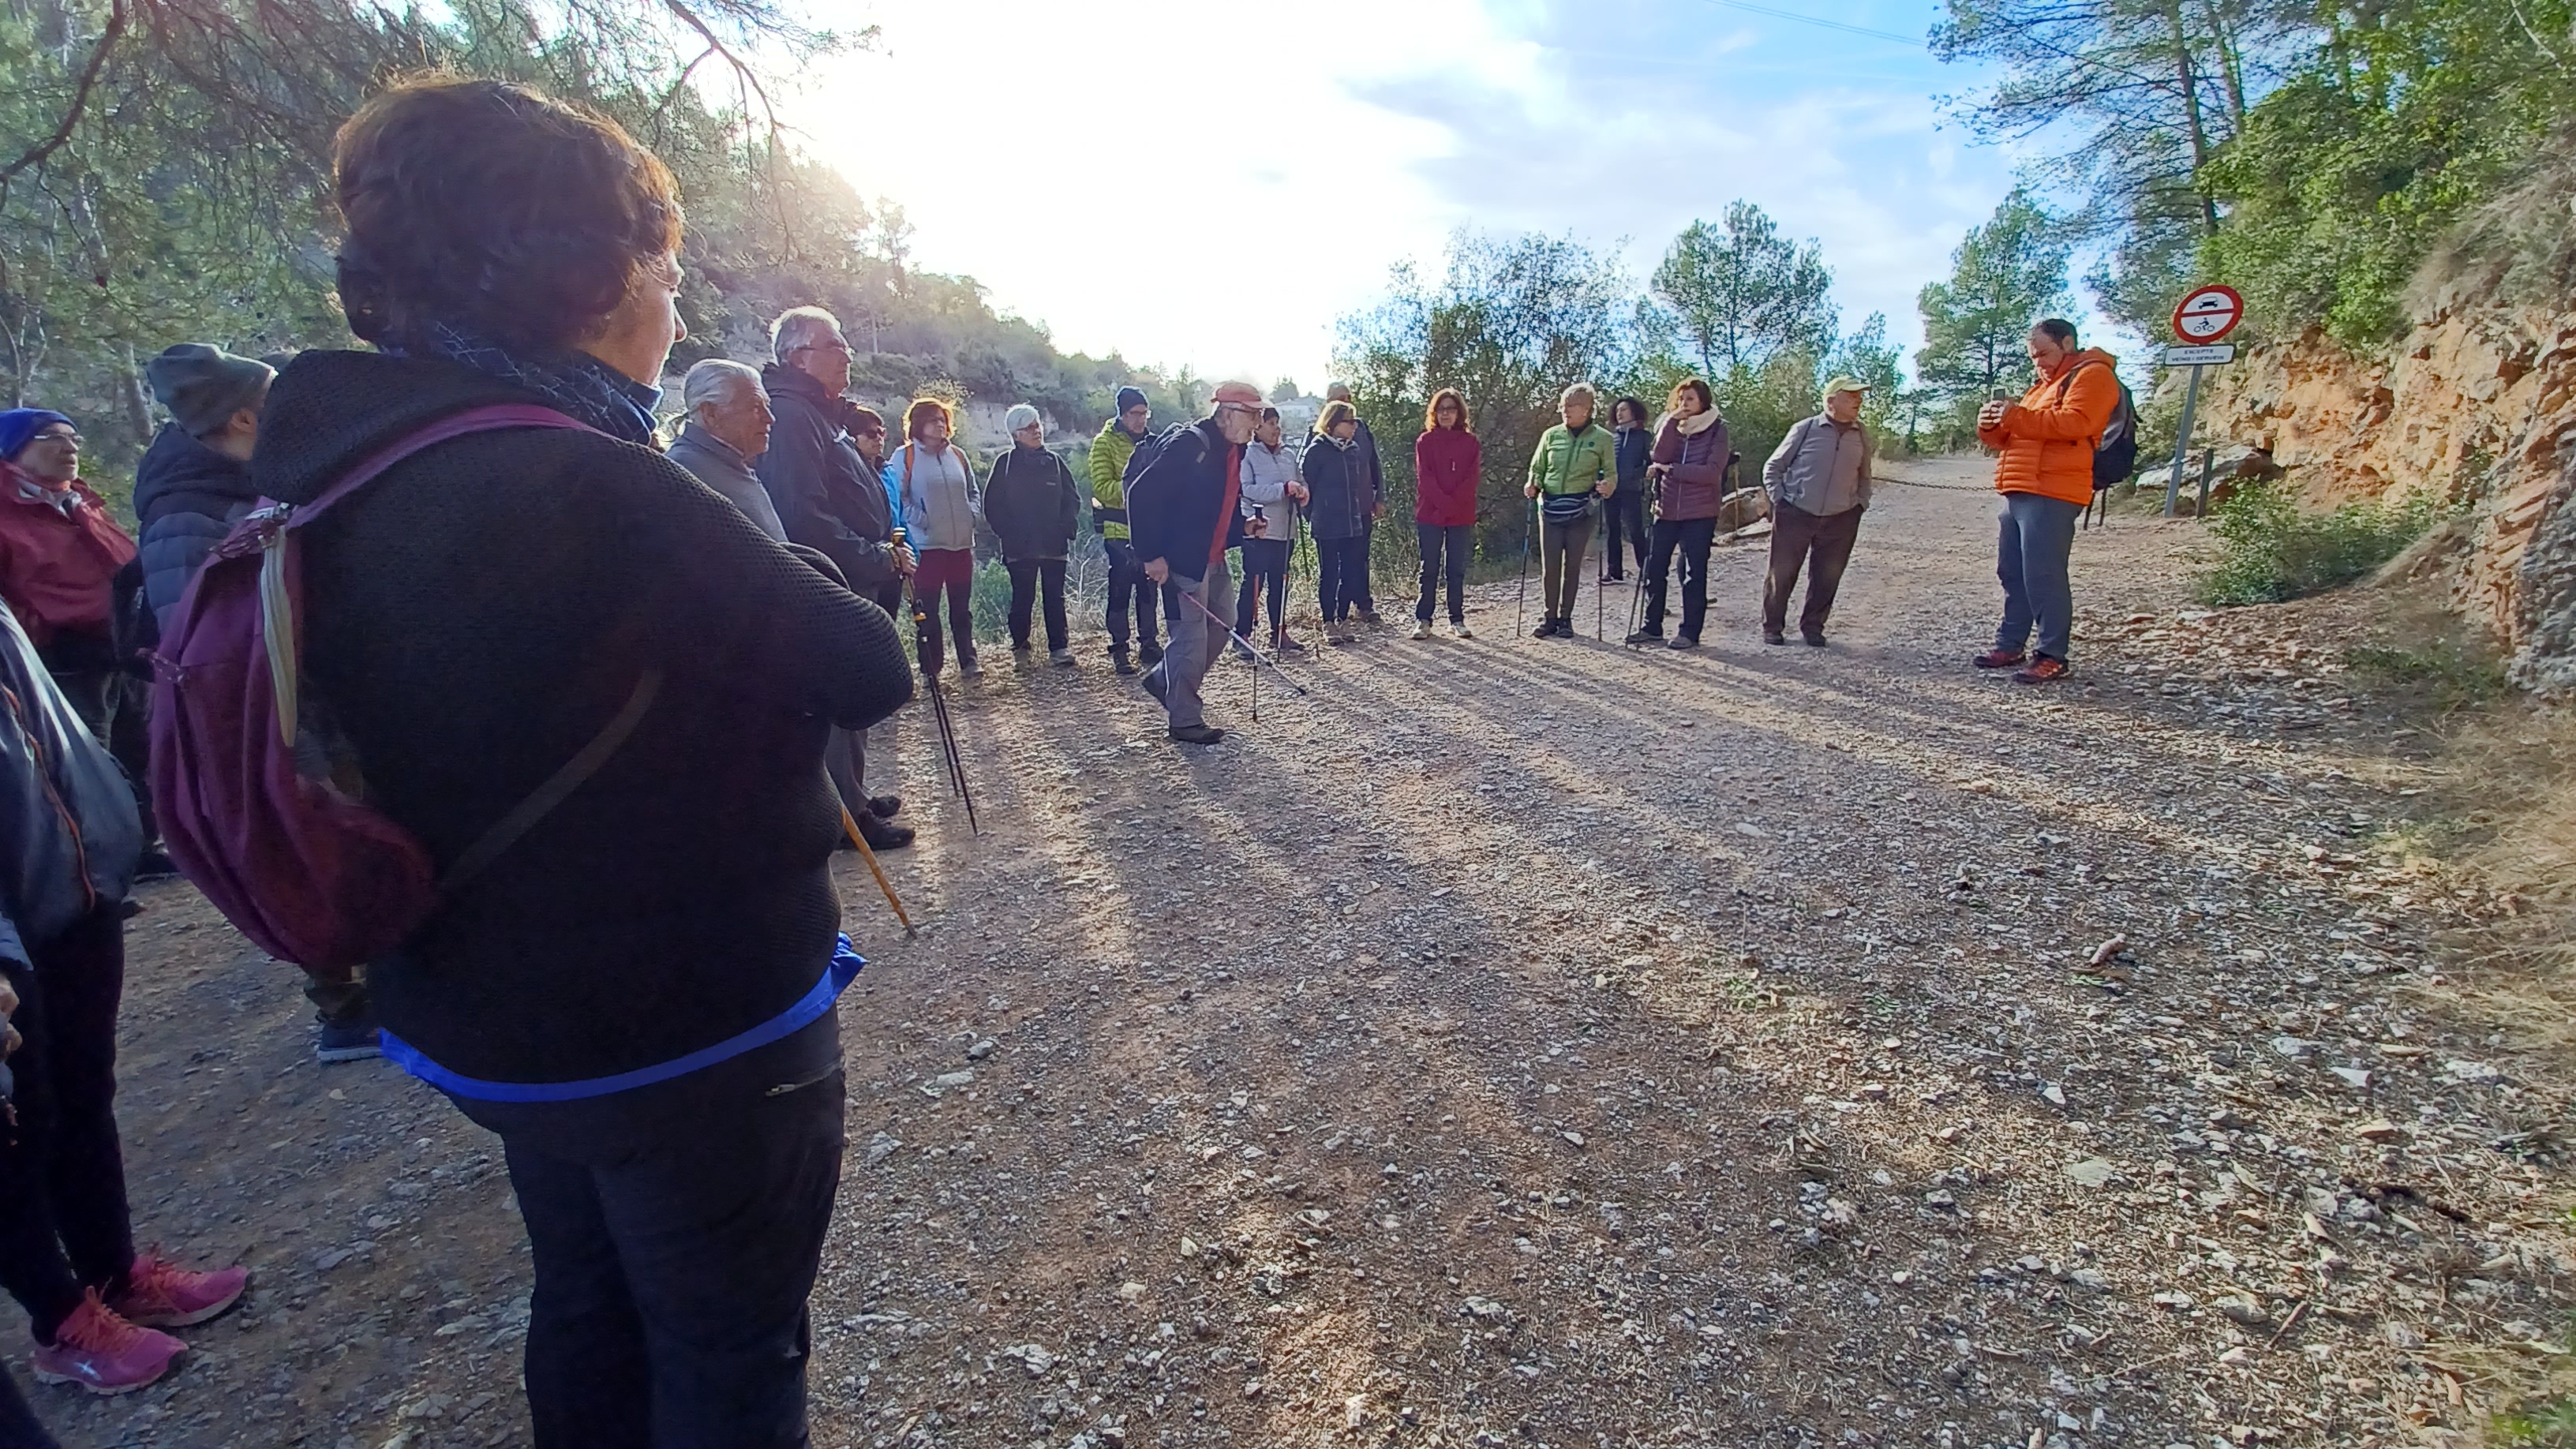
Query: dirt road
{"points": [[1539, 1042]]}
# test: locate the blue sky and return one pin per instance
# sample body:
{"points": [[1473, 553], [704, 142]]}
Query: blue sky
{"points": [[1217, 184]]}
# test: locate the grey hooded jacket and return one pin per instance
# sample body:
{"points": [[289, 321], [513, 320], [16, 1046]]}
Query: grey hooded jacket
{"points": [[69, 835]]}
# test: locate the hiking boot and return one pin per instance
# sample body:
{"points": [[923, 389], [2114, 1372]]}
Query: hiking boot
{"points": [[1774, 636], [1815, 637], [1565, 629], [1020, 653], [161, 1294], [1646, 636], [2043, 670], [1684, 641], [1240, 650], [885, 807], [1421, 629], [1370, 618], [1060, 658], [353, 1040], [1149, 655], [1611, 579], [1280, 643], [102, 1352], [1119, 661], [2000, 659], [969, 667], [155, 864], [1459, 628], [883, 835], [1546, 629], [1197, 734]]}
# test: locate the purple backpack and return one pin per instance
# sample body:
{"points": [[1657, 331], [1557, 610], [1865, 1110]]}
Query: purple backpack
{"points": [[258, 798]]}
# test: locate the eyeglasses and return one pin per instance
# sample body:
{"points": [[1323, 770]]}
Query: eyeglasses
{"points": [[74, 439], [842, 348]]}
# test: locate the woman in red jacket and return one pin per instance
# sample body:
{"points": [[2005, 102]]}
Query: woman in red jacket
{"points": [[1446, 461]]}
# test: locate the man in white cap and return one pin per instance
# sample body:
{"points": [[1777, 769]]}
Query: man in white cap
{"points": [[1185, 511], [1818, 480]]}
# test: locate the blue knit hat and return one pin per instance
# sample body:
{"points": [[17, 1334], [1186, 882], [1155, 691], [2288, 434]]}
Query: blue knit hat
{"points": [[1129, 397], [18, 425]]}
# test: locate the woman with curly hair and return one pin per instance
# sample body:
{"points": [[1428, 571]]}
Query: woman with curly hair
{"points": [[1446, 461], [638, 997]]}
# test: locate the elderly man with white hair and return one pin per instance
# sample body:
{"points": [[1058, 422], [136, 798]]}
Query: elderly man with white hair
{"points": [[1031, 505], [727, 426], [829, 499]]}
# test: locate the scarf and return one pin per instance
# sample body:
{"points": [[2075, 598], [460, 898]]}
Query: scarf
{"points": [[1692, 426], [576, 384]]}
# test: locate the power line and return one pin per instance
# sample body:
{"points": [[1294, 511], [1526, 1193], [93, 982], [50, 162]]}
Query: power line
{"points": [[1812, 20]]}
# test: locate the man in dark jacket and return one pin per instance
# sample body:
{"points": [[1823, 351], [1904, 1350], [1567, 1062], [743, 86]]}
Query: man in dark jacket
{"points": [[1032, 507], [1185, 511], [830, 500], [1365, 595]]}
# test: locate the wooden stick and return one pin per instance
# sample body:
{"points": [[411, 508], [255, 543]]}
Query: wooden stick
{"points": [[852, 826]]}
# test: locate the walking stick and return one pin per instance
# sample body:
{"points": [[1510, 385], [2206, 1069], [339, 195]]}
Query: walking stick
{"points": [[1260, 656], [930, 661], [852, 828], [1520, 609], [1634, 590], [1600, 592]]}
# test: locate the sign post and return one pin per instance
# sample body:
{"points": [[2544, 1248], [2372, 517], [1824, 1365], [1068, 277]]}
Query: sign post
{"points": [[2206, 315]]}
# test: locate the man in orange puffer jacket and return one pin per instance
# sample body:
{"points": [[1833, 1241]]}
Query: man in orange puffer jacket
{"points": [[2045, 473]]}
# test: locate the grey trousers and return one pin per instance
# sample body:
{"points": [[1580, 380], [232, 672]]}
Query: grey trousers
{"points": [[1197, 639]]}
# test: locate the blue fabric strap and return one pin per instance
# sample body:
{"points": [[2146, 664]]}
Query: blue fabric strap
{"points": [[845, 967]]}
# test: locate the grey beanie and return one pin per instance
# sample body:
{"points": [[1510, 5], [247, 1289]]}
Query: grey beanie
{"points": [[203, 386]]}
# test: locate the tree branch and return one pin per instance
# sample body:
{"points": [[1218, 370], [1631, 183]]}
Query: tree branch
{"points": [[35, 155]]}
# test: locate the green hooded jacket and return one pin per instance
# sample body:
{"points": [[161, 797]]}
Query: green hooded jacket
{"points": [[1108, 465], [1565, 463]]}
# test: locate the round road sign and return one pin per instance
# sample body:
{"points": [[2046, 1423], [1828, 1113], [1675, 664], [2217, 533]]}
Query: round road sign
{"points": [[2208, 314]]}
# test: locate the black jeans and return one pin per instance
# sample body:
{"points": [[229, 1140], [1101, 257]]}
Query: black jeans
{"points": [[1623, 517], [1265, 570], [672, 1271], [1823, 546], [1126, 578], [64, 1224], [1341, 566], [1693, 535], [19, 1426], [1031, 579], [1358, 585], [1454, 543]]}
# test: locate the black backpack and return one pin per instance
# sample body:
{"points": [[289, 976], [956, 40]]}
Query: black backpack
{"points": [[2115, 453]]}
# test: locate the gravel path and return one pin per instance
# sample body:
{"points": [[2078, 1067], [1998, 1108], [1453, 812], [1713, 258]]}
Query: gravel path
{"points": [[1540, 1042]]}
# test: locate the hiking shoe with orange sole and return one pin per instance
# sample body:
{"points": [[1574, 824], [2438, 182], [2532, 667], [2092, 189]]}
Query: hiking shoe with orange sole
{"points": [[2042, 670], [161, 1294], [2001, 659], [101, 1352]]}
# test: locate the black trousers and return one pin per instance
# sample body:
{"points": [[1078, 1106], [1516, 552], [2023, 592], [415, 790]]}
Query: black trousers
{"points": [[64, 1224], [1693, 537], [1341, 574], [1265, 571], [1623, 518], [1821, 545], [1126, 579], [671, 1275], [1031, 580], [19, 1426], [1440, 544], [1360, 588]]}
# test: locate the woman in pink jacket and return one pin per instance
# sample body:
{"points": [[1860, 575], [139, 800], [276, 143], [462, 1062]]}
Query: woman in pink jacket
{"points": [[1446, 461]]}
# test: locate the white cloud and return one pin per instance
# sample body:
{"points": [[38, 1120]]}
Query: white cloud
{"points": [[1216, 184]]}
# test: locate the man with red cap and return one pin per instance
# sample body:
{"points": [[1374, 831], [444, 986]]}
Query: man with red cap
{"points": [[1185, 511]]}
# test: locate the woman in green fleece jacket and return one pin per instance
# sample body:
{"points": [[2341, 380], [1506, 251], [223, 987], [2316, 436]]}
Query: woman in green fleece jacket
{"points": [[1575, 463]]}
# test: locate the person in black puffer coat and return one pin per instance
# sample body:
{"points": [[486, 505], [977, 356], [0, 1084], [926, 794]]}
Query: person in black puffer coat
{"points": [[637, 995]]}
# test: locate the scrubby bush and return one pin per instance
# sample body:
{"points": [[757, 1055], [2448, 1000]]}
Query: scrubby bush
{"points": [[2270, 549]]}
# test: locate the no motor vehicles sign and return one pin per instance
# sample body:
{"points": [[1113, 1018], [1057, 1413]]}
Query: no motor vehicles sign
{"points": [[2208, 314]]}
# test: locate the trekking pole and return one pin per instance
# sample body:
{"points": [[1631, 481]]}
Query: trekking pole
{"points": [[851, 826], [1260, 656], [1634, 590], [1600, 591], [1520, 610], [930, 662]]}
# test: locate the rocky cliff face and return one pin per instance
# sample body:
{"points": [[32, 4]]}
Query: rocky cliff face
{"points": [[2478, 404]]}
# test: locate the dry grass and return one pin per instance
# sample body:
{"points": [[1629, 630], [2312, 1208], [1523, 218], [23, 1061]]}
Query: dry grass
{"points": [[2509, 814]]}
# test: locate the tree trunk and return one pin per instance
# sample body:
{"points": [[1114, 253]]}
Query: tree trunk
{"points": [[2187, 72], [137, 401]]}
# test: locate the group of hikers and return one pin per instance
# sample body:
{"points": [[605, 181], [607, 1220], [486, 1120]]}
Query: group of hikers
{"points": [[516, 626]]}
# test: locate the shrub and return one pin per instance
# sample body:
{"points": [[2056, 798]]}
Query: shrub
{"points": [[2269, 550]]}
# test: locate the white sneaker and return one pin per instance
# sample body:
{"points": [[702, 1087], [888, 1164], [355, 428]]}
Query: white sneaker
{"points": [[1421, 630], [1462, 631]]}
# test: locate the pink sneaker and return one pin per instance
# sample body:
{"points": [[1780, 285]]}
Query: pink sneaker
{"points": [[161, 1294], [101, 1352]]}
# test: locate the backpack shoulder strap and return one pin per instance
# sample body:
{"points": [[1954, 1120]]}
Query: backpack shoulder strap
{"points": [[558, 787], [489, 419]]}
